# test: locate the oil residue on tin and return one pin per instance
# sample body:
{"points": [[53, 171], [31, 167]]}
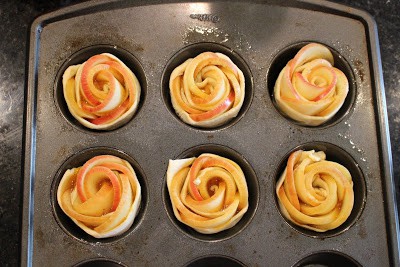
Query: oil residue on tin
{"points": [[353, 144], [197, 33]]}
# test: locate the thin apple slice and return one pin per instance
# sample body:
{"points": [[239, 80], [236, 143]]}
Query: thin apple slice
{"points": [[310, 52], [99, 204], [201, 90], [224, 106], [318, 83]]}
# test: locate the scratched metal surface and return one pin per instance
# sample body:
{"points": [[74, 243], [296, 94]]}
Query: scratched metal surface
{"points": [[153, 33]]}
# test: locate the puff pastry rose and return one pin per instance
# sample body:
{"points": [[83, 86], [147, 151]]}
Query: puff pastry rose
{"points": [[309, 89], [315, 193], [208, 90], [102, 197], [208, 193], [102, 93]]}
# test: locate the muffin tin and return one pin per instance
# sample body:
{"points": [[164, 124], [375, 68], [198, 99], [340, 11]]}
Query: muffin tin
{"points": [[152, 38]]}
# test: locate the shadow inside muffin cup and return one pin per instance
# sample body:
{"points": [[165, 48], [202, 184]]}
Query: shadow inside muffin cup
{"points": [[99, 262], [327, 258], [338, 155], [193, 50], [252, 185], [83, 55], [288, 53], [77, 160], [215, 261]]}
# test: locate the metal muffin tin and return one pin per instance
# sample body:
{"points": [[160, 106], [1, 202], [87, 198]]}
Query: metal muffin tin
{"points": [[153, 37]]}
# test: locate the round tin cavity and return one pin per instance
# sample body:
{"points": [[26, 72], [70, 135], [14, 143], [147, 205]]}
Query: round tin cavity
{"points": [[81, 56], [252, 185], [288, 53], [78, 159], [327, 258], [100, 262], [215, 261], [338, 155], [192, 51]]}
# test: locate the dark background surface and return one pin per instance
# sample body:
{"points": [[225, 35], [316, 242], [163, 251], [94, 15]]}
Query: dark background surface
{"points": [[15, 19]]}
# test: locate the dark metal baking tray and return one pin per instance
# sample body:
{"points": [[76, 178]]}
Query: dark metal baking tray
{"points": [[256, 34]]}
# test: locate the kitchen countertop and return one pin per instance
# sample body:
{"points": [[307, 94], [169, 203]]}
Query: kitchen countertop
{"points": [[15, 19]]}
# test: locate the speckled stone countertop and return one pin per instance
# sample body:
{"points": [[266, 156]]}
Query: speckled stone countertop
{"points": [[15, 19]]}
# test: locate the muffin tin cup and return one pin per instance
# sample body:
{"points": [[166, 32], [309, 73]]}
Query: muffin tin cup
{"points": [[252, 185], [287, 53], [100, 262], [83, 55], [77, 160], [215, 261], [327, 258], [153, 39], [338, 155]]}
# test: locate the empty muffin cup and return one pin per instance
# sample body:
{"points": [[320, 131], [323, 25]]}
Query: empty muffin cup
{"points": [[327, 258], [100, 262], [215, 261]]}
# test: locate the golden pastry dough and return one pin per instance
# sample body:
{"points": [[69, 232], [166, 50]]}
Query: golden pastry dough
{"points": [[208, 90], [309, 89], [208, 193], [315, 193], [102, 93], [102, 197]]}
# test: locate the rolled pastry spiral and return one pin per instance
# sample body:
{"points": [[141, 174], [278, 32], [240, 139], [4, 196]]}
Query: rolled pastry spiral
{"points": [[102, 197], [102, 93], [315, 193], [208, 90], [309, 89], [208, 193]]}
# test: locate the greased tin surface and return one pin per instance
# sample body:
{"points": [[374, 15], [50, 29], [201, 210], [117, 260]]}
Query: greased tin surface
{"points": [[152, 38]]}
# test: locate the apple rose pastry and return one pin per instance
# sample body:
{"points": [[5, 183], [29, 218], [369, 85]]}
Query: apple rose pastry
{"points": [[102, 93], [208, 90], [309, 89], [315, 193], [102, 197], [208, 193]]}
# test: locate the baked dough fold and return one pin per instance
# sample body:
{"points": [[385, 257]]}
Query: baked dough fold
{"points": [[315, 193], [309, 89], [102, 93], [208, 90], [208, 193], [102, 197]]}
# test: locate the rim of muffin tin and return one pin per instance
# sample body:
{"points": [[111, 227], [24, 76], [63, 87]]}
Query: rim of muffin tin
{"points": [[252, 185], [287, 53], [214, 260], [83, 55], [338, 155], [191, 51], [328, 258], [77, 160], [103, 262]]}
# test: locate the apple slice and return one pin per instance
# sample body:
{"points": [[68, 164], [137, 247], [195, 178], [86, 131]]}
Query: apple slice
{"points": [[99, 204], [308, 53], [224, 106], [194, 169], [87, 77], [319, 83], [111, 116]]}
